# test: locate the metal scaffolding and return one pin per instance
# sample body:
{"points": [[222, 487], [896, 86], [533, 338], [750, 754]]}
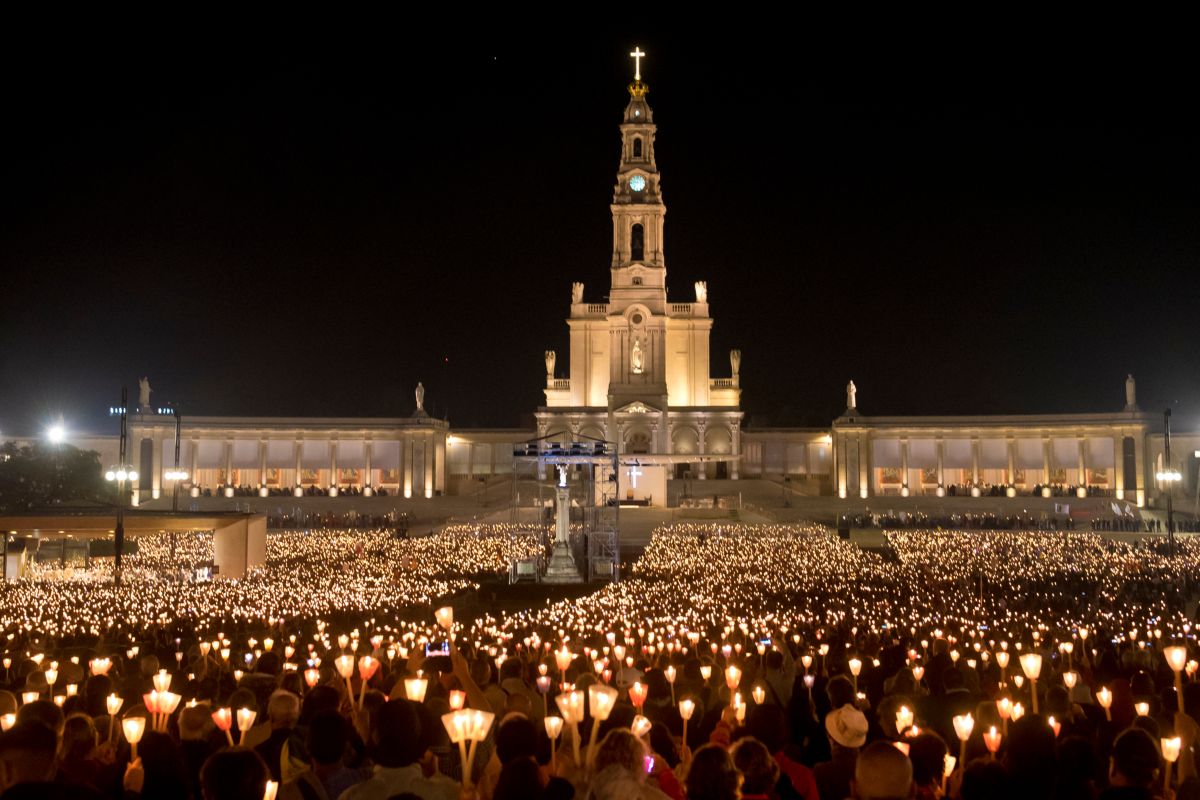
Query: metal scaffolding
{"points": [[591, 466]]}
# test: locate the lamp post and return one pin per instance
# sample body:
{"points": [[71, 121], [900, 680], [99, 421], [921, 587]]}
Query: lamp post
{"points": [[1168, 477], [119, 474], [176, 474]]}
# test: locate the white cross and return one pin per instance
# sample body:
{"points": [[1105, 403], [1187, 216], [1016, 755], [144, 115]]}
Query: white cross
{"points": [[637, 55], [634, 473]]}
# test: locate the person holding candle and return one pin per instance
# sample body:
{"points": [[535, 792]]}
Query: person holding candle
{"points": [[234, 773], [882, 773], [846, 728], [27, 761], [397, 746], [327, 739], [620, 769], [769, 725], [283, 714], [1133, 767], [927, 752]]}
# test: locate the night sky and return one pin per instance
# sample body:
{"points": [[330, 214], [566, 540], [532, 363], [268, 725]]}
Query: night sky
{"points": [[276, 224]]}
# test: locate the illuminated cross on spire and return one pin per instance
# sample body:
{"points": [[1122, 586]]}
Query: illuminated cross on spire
{"points": [[637, 55]]}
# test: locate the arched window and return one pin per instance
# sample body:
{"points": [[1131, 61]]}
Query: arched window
{"points": [[637, 147], [637, 243]]}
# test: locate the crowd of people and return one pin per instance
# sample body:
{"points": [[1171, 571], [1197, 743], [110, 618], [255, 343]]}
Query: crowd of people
{"points": [[312, 490], [753, 661], [971, 520]]}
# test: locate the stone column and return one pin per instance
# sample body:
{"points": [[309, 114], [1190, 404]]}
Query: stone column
{"points": [[156, 469], [333, 465], [369, 472], [428, 465], [195, 461], [262, 461], [737, 450], [940, 448], [701, 427], [1119, 466], [864, 466], [1047, 461], [299, 464], [228, 462], [1082, 445], [904, 463], [439, 462], [974, 461], [1011, 475], [406, 464], [1139, 458], [839, 463]]}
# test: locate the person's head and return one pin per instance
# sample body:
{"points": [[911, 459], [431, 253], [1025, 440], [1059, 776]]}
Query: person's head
{"points": [[515, 738], [268, 664], [243, 698], [319, 698], [518, 703], [712, 775], [283, 710], [759, 771], [78, 737], [1031, 753], [327, 737], [985, 780], [234, 773], [149, 665], [396, 736], [846, 728], [166, 775], [195, 723], [43, 712], [768, 724], [841, 692], [1134, 760], [27, 751], [622, 748], [927, 753], [882, 772], [519, 779]]}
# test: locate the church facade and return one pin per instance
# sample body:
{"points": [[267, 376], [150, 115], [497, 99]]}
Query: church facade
{"points": [[638, 373]]}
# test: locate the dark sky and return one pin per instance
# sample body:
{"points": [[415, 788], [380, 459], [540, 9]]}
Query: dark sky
{"points": [[270, 222]]}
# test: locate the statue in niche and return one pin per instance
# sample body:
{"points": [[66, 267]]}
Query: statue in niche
{"points": [[635, 357], [701, 291], [420, 397], [576, 292], [144, 392], [735, 362], [550, 359]]}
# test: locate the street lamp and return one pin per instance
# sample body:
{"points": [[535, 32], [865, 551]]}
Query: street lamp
{"points": [[1168, 476], [120, 474]]}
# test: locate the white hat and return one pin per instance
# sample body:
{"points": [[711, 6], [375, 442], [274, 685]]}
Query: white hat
{"points": [[847, 726]]}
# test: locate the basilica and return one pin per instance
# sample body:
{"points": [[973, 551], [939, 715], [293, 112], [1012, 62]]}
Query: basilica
{"points": [[638, 375]]}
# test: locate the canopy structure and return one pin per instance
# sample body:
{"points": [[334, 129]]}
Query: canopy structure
{"points": [[239, 540]]}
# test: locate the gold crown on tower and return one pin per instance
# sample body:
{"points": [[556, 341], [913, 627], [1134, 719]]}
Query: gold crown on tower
{"points": [[638, 90]]}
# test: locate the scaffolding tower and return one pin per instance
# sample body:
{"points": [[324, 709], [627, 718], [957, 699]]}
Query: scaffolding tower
{"points": [[591, 474]]}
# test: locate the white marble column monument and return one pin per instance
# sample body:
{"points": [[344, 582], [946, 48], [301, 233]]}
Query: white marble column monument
{"points": [[561, 568]]}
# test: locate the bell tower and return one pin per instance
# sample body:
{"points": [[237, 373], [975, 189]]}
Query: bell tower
{"points": [[638, 268]]}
